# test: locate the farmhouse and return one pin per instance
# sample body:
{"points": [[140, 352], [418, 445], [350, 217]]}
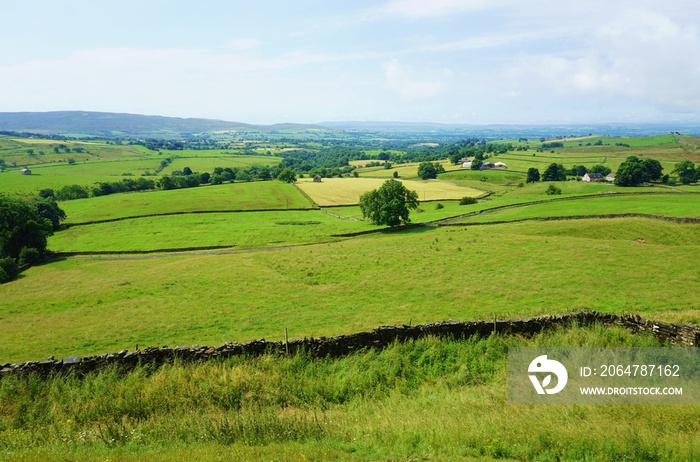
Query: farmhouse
{"points": [[467, 164], [588, 177], [487, 165], [317, 179], [26, 171], [500, 165], [610, 177]]}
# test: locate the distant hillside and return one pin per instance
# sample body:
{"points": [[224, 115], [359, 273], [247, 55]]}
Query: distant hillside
{"points": [[113, 125], [501, 131], [107, 124]]}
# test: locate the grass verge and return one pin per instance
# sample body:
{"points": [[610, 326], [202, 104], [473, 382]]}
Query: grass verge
{"points": [[428, 399]]}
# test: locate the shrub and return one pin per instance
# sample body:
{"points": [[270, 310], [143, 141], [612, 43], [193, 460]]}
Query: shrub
{"points": [[29, 256], [10, 268], [439, 206], [468, 201], [552, 190]]}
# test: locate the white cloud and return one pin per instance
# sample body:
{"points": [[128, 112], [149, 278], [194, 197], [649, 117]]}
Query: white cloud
{"points": [[416, 9], [243, 44], [401, 82], [640, 55]]}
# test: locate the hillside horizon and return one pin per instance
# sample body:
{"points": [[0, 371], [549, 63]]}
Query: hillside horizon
{"points": [[110, 124]]}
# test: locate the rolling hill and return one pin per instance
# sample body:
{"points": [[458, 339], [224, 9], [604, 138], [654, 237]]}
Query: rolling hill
{"points": [[107, 124]]}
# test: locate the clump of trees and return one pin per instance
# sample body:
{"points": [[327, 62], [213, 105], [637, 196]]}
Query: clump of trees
{"points": [[287, 175], [555, 172], [25, 226], [178, 179], [430, 170], [390, 204], [634, 171], [686, 171]]}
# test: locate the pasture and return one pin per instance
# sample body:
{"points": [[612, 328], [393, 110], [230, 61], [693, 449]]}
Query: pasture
{"points": [[207, 161], [675, 205], [346, 191], [102, 162], [235, 229], [86, 306], [257, 195]]}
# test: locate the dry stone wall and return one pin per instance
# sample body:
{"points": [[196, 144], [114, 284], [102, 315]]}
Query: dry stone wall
{"points": [[677, 334]]}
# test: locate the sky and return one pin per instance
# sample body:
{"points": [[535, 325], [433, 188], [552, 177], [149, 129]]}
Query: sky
{"points": [[307, 61]]}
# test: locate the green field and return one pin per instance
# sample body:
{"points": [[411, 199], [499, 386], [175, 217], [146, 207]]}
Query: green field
{"points": [[207, 161], [258, 195], [675, 205], [352, 285], [101, 162], [240, 230]]}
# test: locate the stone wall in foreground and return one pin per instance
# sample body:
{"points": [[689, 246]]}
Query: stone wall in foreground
{"points": [[677, 334]]}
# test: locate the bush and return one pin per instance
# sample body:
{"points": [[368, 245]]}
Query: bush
{"points": [[468, 201], [439, 206], [4, 277], [10, 267], [29, 256], [552, 190]]}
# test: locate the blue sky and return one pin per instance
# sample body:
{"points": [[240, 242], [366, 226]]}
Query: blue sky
{"points": [[305, 61]]}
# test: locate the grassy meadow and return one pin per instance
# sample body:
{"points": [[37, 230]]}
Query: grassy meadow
{"points": [[671, 205], [239, 230], [102, 162], [99, 304], [257, 195]]}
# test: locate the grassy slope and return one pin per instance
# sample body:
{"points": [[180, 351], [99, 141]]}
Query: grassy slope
{"points": [[101, 162], [429, 399], [81, 307], [241, 230], [675, 205], [258, 195]]}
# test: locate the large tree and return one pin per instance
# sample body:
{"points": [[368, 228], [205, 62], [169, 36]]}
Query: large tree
{"points": [[287, 175], [390, 204], [602, 169], [686, 172], [555, 172], [630, 172], [533, 175], [430, 170], [653, 171], [25, 224]]}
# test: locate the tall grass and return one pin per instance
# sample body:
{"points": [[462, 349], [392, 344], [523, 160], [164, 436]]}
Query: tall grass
{"points": [[437, 399]]}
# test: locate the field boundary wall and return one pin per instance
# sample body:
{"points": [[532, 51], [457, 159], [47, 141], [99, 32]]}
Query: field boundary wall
{"points": [[675, 334]]}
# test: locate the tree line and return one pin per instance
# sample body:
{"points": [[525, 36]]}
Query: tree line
{"points": [[179, 179], [632, 172]]}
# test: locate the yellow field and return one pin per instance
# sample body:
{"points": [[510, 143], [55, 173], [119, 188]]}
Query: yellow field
{"points": [[346, 191]]}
